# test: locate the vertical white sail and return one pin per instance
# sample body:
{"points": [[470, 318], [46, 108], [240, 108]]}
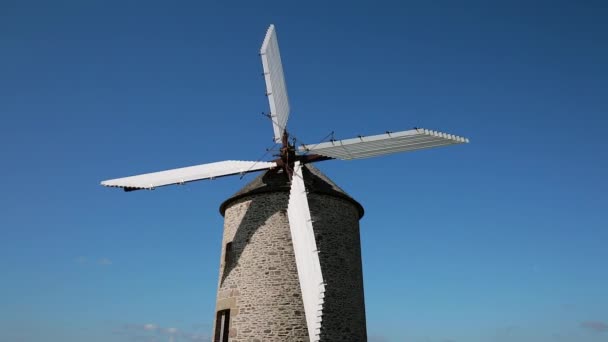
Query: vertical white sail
{"points": [[307, 257], [275, 83]]}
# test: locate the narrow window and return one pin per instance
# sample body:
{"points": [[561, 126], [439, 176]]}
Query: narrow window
{"points": [[222, 323], [228, 254]]}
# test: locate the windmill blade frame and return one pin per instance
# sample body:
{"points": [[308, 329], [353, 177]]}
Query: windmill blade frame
{"points": [[381, 144], [276, 89], [260, 233], [187, 174], [306, 253]]}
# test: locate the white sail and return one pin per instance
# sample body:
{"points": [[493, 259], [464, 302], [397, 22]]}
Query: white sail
{"points": [[188, 174], [307, 257], [275, 83], [376, 145]]}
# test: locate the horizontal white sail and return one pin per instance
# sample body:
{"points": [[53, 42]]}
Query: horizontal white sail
{"points": [[375, 145], [188, 174]]}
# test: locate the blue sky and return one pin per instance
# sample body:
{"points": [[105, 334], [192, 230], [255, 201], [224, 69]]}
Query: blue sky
{"points": [[504, 239]]}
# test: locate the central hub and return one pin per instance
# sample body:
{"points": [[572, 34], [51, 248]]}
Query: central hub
{"points": [[288, 154]]}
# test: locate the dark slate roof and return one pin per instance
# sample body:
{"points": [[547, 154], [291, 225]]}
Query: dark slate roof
{"points": [[277, 180]]}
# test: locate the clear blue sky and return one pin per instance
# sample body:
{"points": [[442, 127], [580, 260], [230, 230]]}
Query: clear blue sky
{"points": [[504, 239]]}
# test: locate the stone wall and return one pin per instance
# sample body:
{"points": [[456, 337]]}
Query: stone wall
{"points": [[259, 281], [336, 226]]}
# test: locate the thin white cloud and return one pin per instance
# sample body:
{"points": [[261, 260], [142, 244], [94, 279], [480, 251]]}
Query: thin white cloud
{"points": [[81, 259], [150, 327], [135, 331], [104, 262], [596, 326], [171, 331]]}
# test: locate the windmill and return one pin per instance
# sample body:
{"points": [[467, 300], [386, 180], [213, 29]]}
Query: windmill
{"points": [[293, 164]]}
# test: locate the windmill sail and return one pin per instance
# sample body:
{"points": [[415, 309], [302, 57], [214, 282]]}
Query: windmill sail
{"points": [[375, 145], [311, 280], [307, 257], [275, 83], [188, 174]]}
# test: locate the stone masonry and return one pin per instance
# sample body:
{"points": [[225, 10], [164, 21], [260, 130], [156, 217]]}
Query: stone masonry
{"points": [[258, 279]]}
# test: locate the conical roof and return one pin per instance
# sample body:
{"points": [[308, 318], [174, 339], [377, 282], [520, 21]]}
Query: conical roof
{"points": [[276, 180]]}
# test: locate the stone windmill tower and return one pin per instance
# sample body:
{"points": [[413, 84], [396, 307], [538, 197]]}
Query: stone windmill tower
{"points": [[259, 290], [291, 258]]}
